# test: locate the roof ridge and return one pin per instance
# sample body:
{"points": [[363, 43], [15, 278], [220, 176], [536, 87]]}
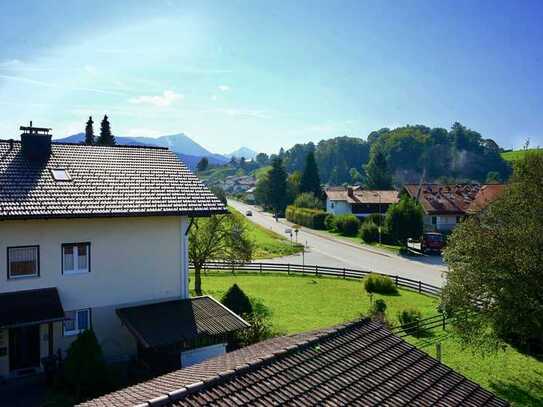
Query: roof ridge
{"points": [[66, 143], [183, 392]]}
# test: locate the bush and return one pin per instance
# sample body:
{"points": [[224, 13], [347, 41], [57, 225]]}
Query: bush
{"points": [[380, 285], [375, 218], [237, 301], [347, 225], [404, 220], [312, 218], [369, 232], [308, 200], [260, 329], [378, 312], [330, 222], [409, 320], [85, 372]]}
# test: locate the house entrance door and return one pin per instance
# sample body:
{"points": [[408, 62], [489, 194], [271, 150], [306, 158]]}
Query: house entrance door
{"points": [[24, 347]]}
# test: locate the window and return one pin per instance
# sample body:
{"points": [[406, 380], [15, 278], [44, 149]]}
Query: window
{"points": [[76, 321], [60, 174], [23, 261], [75, 258], [434, 220]]}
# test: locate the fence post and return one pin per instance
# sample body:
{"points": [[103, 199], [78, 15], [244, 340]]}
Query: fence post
{"points": [[344, 273], [443, 320], [396, 280], [261, 267], [288, 269], [316, 270], [420, 286]]}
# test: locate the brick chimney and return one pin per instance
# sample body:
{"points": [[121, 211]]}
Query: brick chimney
{"points": [[36, 143]]}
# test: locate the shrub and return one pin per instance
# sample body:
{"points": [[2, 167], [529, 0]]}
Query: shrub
{"points": [[380, 284], [308, 200], [404, 220], [378, 311], [312, 218], [85, 372], [369, 232], [260, 329], [375, 218], [409, 320], [347, 225], [237, 301], [330, 222]]}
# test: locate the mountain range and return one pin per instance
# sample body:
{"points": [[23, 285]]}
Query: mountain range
{"points": [[244, 152], [187, 149]]}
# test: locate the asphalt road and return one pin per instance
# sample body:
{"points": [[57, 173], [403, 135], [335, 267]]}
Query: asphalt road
{"points": [[327, 251]]}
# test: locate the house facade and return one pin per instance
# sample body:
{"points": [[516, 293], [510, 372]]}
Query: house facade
{"points": [[445, 206], [358, 201], [85, 231]]}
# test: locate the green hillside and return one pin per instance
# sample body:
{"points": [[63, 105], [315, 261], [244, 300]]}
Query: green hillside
{"points": [[516, 154]]}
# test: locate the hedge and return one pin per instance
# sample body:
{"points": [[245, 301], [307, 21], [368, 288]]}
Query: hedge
{"points": [[347, 224], [311, 218]]}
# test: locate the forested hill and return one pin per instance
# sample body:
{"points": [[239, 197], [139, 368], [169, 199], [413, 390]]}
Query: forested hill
{"points": [[459, 154]]}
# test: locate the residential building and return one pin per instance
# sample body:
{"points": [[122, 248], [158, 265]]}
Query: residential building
{"points": [[486, 195], [360, 363], [358, 201], [446, 205], [85, 233]]}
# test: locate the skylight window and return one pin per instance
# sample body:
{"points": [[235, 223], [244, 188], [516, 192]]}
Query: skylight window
{"points": [[61, 174]]}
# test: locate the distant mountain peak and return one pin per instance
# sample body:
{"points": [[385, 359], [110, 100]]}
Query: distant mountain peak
{"points": [[245, 152]]}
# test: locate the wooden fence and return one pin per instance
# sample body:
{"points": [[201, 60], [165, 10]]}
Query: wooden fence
{"points": [[426, 324], [316, 270]]}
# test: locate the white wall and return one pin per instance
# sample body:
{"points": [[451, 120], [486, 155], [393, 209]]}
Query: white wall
{"points": [[133, 260], [338, 207]]}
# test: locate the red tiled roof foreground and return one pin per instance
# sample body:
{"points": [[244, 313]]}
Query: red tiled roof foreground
{"points": [[105, 181], [361, 363]]}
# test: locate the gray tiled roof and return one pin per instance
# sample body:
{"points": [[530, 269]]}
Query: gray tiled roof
{"points": [[361, 363], [106, 181], [169, 322]]}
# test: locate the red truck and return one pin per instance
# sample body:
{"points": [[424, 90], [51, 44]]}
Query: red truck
{"points": [[429, 242]]}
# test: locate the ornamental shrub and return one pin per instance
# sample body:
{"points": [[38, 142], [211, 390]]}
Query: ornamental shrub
{"points": [[311, 218], [380, 284], [330, 222], [347, 225], [369, 232], [409, 319], [237, 301]]}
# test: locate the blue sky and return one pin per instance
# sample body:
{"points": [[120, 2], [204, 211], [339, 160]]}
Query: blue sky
{"points": [[271, 74]]}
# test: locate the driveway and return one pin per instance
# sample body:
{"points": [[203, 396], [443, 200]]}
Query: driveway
{"points": [[330, 251]]}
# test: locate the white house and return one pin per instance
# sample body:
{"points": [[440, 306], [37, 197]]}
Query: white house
{"points": [[358, 201], [87, 233]]}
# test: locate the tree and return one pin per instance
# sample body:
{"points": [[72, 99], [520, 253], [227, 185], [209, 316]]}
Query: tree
{"points": [[219, 237], [85, 371], [262, 159], [89, 132], [202, 165], [277, 186], [308, 200], [495, 275], [377, 172], [311, 181], [237, 301], [106, 137], [404, 220]]}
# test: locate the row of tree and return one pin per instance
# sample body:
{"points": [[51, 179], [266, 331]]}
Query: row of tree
{"points": [[106, 138]]}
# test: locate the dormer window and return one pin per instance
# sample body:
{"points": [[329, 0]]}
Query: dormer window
{"points": [[60, 174]]}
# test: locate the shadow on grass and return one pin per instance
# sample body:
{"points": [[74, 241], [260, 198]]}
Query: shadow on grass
{"points": [[525, 393]]}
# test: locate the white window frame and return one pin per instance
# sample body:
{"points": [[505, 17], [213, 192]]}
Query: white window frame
{"points": [[77, 330], [36, 274], [75, 249]]}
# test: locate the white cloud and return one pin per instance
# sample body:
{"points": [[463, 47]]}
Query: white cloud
{"points": [[164, 100], [224, 88]]}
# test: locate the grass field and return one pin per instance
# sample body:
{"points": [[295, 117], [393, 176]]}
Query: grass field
{"points": [[516, 154], [268, 244], [301, 303]]}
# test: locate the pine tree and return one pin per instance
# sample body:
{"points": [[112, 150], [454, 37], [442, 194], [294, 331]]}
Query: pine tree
{"points": [[311, 181], [106, 138], [202, 165], [277, 186], [89, 132], [378, 174]]}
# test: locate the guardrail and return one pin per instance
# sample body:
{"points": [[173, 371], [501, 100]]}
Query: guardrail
{"points": [[316, 270]]}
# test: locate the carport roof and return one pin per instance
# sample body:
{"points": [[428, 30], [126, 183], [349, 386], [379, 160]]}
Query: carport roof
{"points": [[170, 322], [30, 307]]}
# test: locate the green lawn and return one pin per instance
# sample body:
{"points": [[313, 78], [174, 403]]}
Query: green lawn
{"points": [[268, 244], [516, 154], [301, 303]]}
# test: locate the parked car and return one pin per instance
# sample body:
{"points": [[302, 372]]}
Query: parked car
{"points": [[249, 213], [432, 242]]}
